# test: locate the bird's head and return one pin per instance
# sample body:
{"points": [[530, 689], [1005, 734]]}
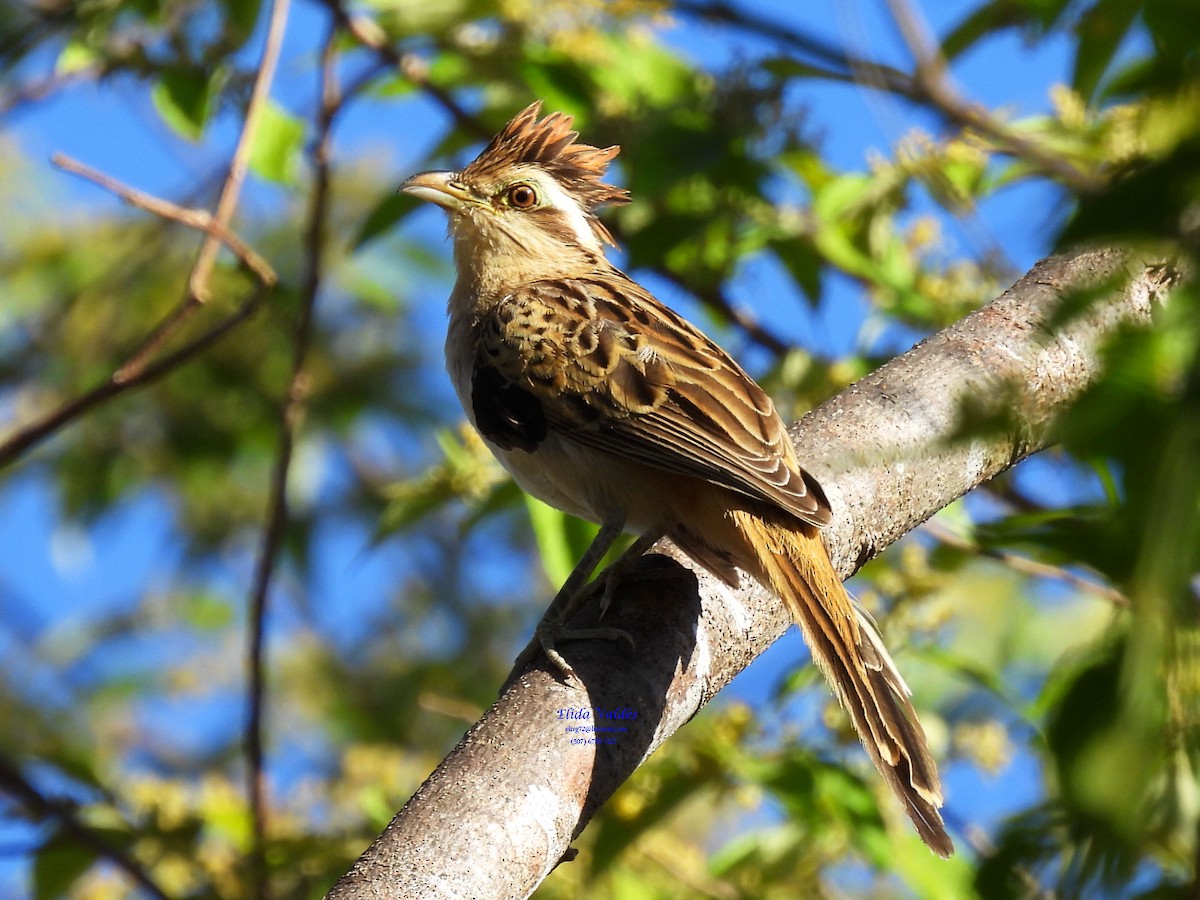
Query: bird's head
{"points": [[530, 195]]}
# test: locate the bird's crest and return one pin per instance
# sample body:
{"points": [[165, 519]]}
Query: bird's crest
{"points": [[550, 144]]}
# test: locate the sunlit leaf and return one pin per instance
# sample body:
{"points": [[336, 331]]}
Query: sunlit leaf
{"points": [[561, 539], [241, 17], [76, 57], [185, 98], [275, 153], [57, 865], [385, 215], [1101, 30]]}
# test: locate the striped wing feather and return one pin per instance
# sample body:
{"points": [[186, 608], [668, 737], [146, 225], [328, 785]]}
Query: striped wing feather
{"points": [[616, 370]]}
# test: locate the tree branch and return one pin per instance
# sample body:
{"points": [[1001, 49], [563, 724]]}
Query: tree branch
{"points": [[128, 376], [1024, 564], [408, 65], [889, 451], [19, 95], [718, 299], [199, 219], [197, 289], [14, 445], [929, 84], [64, 814], [831, 61], [932, 84], [290, 415]]}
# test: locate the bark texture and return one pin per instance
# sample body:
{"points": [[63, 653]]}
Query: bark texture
{"points": [[501, 810]]}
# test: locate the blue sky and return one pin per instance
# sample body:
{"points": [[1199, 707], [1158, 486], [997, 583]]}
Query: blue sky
{"points": [[54, 572]]}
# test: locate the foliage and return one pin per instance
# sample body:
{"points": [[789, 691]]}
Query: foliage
{"points": [[128, 768]]}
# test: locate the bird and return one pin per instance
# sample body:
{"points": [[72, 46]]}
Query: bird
{"points": [[603, 402]]}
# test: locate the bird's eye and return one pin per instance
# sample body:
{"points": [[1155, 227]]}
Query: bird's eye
{"points": [[522, 196]]}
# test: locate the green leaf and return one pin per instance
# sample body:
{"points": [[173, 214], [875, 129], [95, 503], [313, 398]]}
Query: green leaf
{"points": [[1151, 202], [1174, 26], [980, 25], [843, 195], [206, 612], [275, 153], [1037, 16], [928, 876], [1108, 748], [614, 836], [75, 763], [241, 17], [561, 538], [58, 864], [404, 18], [561, 85], [76, 57], [803, 263], [971, 670], [1101, 31], [184, 97], [384, 215]]}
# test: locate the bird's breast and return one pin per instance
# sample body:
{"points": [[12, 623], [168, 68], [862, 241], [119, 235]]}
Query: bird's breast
{"points": [[595, 485]]}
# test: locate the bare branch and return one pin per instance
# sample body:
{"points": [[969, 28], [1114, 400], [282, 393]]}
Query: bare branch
{"points": [[291, 413], [1024, 564], [929, 84], [742, 318], [138, 368], [517, 788], [128, 376], [63, 814], [16, 97], [932, 84], [40, 429], [240, 163], [197, 290], [408, 65], [199, 219], [827, 60]]}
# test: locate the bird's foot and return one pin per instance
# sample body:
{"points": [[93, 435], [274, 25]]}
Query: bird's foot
{"points": [[549, 635], [547, 638]]}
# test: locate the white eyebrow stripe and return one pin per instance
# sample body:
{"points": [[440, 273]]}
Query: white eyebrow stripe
{"points": [[554, 196]]}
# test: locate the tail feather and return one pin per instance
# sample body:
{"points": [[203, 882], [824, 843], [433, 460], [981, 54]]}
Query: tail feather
{"points": [[847, 648]]}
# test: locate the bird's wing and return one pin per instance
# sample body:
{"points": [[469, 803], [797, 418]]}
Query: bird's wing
{"points": [[600, 361]]}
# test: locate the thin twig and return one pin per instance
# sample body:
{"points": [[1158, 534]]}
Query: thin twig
{"points": [[408, 65], [929, 84], [291, 413], [37, 431], [1024, 564], [31, 91], [697, 882], [835, 63], [197, 291], [240, 163], [124, 378], [716, 298], [199, 219], [63, 812], [933, 84]]}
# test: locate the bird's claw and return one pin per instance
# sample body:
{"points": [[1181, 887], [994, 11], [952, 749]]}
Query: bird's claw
{"points": [[550, 634]]}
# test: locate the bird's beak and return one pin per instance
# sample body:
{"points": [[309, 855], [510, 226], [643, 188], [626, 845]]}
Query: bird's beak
{"points": [[442, 188]]}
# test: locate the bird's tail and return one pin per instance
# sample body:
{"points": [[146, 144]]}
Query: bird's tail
{"points": [[793, 563]]}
